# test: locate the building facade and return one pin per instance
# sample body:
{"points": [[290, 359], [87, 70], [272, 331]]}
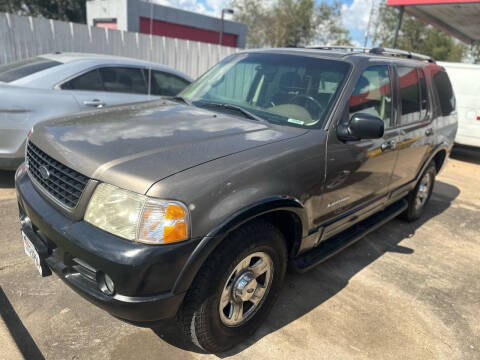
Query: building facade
{"points": [[145, 17]]}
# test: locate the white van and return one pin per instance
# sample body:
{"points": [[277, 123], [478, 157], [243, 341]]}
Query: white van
{"points": [[465, 80]]}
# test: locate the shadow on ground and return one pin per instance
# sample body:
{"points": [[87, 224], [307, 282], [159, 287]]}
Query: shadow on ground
{"points": [[7, 179], [304, 292], [466, 153], [19, 333]]}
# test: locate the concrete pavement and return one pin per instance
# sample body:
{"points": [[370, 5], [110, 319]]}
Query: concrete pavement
{"points": [[406, 291]]}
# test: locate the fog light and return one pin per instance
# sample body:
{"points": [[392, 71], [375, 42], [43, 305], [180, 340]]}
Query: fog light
{"points": [[109, 283], [105, 284]]}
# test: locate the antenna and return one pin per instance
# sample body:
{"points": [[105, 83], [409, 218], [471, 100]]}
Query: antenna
{"points": [[367, 32]]}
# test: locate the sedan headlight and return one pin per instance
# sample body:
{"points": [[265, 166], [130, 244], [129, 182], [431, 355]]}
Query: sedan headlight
{"points": [[137, 217]]}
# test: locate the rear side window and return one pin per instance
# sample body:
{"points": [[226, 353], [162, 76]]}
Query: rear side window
{"points": [[90, 81], [409, 94], [444, 90], [373, 94], [166, 84], [21, 69], [424, 103], [124, 80]]}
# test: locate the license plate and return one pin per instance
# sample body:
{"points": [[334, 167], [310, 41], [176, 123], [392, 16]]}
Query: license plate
{"points": [[32, 252]]}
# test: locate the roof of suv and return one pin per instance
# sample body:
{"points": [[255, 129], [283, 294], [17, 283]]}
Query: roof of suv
{"points": [[348, 53]]}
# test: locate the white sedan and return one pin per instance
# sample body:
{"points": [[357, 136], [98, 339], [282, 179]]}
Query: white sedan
{"points": [[53, 85]]}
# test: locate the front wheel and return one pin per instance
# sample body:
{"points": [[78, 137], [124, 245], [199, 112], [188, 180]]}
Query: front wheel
{"points": [[235, 288], [419, 196]]}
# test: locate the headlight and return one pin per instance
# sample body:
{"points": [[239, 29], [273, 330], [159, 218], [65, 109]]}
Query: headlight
{"points": [[137, 217]]}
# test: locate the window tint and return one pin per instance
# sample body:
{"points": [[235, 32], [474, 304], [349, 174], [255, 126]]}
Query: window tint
{"points": [[124, 80], [21, 69], [444, 90], [166, 84], [89, 81], [409, 94], [373, 94], [424, 94]]}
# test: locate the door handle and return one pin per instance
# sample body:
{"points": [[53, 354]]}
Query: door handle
{"points": [[389, 145], [429, 132], [94, 103]]}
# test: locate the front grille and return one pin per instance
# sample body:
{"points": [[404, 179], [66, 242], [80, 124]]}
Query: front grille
{"points": [[64, 184]]}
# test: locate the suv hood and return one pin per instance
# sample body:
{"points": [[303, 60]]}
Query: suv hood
{"points": [[137, 145]]}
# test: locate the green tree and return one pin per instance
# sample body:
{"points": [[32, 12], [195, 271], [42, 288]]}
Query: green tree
{"points": [[474, 53], [330, 30], [66, 10], [416, 36], [290, 22]]}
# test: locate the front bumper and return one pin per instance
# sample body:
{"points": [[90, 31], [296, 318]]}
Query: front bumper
{"points": [[81, 254]]}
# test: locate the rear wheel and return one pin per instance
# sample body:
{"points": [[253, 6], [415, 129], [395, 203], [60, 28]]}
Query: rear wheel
{"points": [[236, 288], [418, 197]]}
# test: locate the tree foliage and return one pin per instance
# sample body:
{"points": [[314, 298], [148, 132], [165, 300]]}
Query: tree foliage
{"points": [[290, 22], [416, 36], [66, 10]]}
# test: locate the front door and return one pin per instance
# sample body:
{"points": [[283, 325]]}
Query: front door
{"points": [[359, 172], [108, 86]]}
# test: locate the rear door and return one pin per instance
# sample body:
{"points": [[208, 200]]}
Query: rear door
{"points": [[416, 134], [359, 172], [110, 85]]}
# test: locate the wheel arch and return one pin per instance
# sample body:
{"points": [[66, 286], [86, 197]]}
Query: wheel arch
{"points": [[438, 156], [282, 211]]}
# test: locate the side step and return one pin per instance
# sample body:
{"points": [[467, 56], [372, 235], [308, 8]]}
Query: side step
{"points": [[332, 246]]}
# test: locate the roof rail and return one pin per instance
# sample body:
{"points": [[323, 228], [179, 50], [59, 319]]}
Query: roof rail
{"points": [[397, 52], [339, 47]]}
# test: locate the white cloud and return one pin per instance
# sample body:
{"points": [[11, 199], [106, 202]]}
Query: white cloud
{"points": [[355, 16]]}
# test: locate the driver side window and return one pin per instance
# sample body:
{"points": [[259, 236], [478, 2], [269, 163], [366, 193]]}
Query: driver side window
{"points": [[373, 94]]}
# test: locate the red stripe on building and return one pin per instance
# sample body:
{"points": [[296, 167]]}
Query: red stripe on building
{"points": [[163, 28]]}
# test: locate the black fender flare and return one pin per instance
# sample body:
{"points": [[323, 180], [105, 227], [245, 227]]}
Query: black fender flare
{"points": [[430, 158], [209, 242]]}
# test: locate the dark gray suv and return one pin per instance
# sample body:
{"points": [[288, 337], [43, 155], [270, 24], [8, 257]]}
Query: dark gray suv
{"points": [[192, 207]]}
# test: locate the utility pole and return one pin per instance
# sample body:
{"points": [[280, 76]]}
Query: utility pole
{"points": [[224, 11], [399, 24]]}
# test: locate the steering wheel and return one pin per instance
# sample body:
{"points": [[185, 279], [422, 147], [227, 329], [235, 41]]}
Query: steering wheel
{"points": [[314, 107]]}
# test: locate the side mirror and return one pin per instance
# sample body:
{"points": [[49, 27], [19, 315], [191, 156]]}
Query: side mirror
{"points": [[361, 126]]}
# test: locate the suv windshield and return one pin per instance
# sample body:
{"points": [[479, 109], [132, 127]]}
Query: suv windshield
{"points": [[21, 69], [285, 89]]}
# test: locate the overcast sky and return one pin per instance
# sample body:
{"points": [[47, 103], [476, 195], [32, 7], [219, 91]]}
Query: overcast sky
{"points": [[355, 13]]}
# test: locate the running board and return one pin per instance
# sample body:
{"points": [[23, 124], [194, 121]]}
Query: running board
{"points": [[332, 246]]}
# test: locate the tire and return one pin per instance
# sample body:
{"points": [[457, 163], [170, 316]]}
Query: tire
{"points": [[418, 197], [204, 320]]}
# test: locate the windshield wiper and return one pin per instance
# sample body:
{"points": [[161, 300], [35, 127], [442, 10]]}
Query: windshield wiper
{"points": [[236, 108], [181, 99]]}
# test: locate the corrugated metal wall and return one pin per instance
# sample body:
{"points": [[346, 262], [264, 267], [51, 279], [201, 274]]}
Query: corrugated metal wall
{"points": [[22, 37]]}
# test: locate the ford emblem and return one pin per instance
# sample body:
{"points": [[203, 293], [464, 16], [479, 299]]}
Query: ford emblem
{"points": [[44, 172]]}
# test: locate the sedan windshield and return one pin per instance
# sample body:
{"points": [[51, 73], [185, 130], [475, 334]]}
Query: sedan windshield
{"points": [[284, 89]]}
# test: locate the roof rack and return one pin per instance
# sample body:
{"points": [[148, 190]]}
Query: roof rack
{"points": [[397, 52], [339, 47]]}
